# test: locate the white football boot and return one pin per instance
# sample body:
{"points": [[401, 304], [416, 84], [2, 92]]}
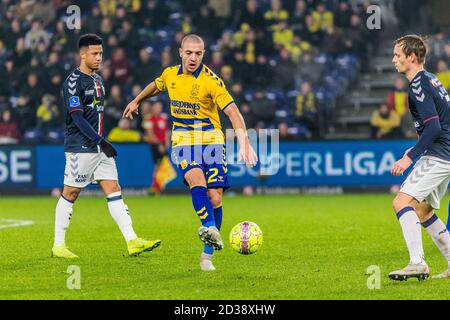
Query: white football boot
{"points": [[419, 271], [211, 236], [206, 262]]}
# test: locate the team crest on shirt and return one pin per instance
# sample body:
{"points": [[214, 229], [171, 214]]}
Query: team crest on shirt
{"points": [[195, 90]]}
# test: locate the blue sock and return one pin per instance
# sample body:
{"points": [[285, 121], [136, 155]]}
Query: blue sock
{"points": [[203, 206], [448, 218], [218, 219]]}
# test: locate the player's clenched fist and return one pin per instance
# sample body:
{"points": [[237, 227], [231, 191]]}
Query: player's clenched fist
{"points": [[400, 166], [107, 148], [131, 108]]}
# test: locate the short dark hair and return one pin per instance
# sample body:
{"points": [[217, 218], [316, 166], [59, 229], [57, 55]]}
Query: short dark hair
{"points": [[89, 39], [413, 44]]}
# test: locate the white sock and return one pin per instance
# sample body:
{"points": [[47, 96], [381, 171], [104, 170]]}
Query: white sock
{"points": [[63, 213], [438, 232], [119, 212], [412, 233]]}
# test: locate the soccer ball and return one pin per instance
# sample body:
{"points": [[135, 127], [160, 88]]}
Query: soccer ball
{"points": [[246, 237]]}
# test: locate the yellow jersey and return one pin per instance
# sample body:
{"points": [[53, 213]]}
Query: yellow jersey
{"points": [[195, 100]]}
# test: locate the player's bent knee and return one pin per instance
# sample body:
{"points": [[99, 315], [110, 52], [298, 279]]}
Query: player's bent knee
{"points": [[401, 201], [215, 198], [71, 194], [195, 177], [424, 211]]}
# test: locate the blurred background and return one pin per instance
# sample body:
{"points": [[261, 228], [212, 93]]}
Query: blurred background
{"points": [[318, 71]]}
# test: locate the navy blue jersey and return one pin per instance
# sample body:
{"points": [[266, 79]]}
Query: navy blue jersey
{"points": [[83, 93], [429, 100]]}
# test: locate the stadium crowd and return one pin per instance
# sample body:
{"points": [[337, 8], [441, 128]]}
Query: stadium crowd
{"points": [[284, 62]]}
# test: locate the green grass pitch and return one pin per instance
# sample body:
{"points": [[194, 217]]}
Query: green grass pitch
{"points": [[315, 247]]}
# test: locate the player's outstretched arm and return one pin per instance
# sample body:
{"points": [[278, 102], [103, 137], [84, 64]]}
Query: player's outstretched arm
{"points": [[149, 91], [246, 151]]}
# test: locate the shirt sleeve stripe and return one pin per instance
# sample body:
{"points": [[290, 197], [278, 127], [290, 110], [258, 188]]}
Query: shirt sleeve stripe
{"points": [[74, 110], [227, 105], [431, 118]]}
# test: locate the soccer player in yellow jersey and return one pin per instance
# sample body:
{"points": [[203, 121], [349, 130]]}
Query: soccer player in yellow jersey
{"points": [[198, 144]]}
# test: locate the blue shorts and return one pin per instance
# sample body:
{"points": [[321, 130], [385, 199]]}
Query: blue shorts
{"points": [[211, 159]]}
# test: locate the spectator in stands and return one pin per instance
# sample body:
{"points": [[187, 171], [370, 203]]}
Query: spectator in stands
{"points": [[332, 42], [297, 48], [343, 15], [55, 85], [166, 58], [356, 41], [216, 61], [25, 112], [33, 90], [121, 66], [252, 15], [263, 77], [262, 108], [147, 68], [13, 33], [282, 35], [443, 74], [308, 70], [128, 38], [21, 57], [205, 22], [47, 114], [437, 45], [283, 130], [313, 33], [248, 115], [36, 35], [323, 18], [397, 99], [113, 107], [123, 133], [156, 126], [157, 12], [107, 7], [298, 17], [226, 73], [306, 109], [61, 39], [245, 41], [221, 9], [9, 76], [385, 123], [276, 13], [9, 129], [284, 77]]}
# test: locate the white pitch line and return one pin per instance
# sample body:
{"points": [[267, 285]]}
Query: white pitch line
{"points": [[12, 223]]}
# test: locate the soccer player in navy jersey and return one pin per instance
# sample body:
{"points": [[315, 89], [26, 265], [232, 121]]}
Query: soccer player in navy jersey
{"points": [[89, 157], [427, 183]]}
